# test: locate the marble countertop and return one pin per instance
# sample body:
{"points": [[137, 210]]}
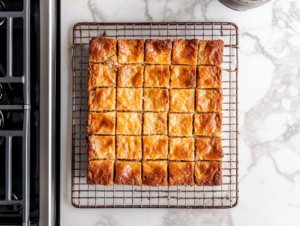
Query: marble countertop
{"points": [[269, 85]]}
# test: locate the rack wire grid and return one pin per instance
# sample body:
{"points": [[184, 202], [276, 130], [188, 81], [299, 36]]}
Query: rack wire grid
{"points": [[123, 196]]}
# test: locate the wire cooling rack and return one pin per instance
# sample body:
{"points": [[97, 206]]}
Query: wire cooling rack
{"points": [[124, 196]]}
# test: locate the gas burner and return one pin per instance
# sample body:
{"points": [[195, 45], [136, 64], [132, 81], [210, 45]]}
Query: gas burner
{"points": [[2, 8]]}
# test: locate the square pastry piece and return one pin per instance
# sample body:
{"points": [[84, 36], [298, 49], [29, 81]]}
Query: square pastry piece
{"points": [[185, 51], [158, 51], [128, 173], [129, 147], [156, 99], [183, 76], [102, 99], [157, 76], [180, 124], [209, 77], [130, 75], [208, 173], [182, 100], [155, 173], [101, 76], [181, 173], [208, 100], [129, 99], [100, 172], [129, 123], [103, 49], [209, 124], [155, 123], [211, 52], [209, 149], [101, 123], [101, 147], [155, 147], [130, 51], [182, 149]]}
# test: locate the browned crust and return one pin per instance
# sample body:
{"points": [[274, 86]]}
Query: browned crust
{"points": [[129, 99], [102, 99], [100, 172], [181, 149], [130, 75], [209, 149], [209, 77], [156, 99], [158, 51], [209, 100], [102, 49], [209, 124], [131, 51], [185, 51], [180, 124], [101, 76], [129, 123], [157, 76], [101, 147], [155, 147], [129, 147], [155, 123], [181, 173], [211, 52], [208, 173], [182, 100], [155, 173], [183, 76], [128, 173], [101, 123]]}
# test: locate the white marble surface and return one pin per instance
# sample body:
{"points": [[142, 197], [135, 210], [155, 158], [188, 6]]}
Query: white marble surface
{"points": [[269, 85]]}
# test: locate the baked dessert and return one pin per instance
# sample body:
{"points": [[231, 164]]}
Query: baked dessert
{"points": [[129, 99], [101, 147], [129, 147], [209, 124], [185, 51], [128, 173], [182, 100], [208, 173], [158, 51], [100, 172], [101, 123], [209, 149], [103, 49], [129, 123], [208, 100], [210, 52], [181, 173], [156, 99], [180, 124], [130, 75], [155, 173], [155, 123], [182, 149], [130, 51], [157, 76], [101, 76], [102, 99], [209, 77], [155, 147], [183, 76]]}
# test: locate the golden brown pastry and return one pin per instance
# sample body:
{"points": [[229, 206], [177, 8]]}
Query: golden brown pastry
{"points": [[101, 76], [209, 124], [182, 149], [102, 99], [155, 173], [128, 173], [100, 172], [101, 147], [210, 52], [180, 124], [182, 100], [181, 173], [185, 51], [155, 147], [103, 49], [129, 123], [130, 51], [208, 100], [129, 147], [183, 76], [155, 123], [101, 123], [130, 75], [208, 173], [157, 76], [158, 51], [209, 149], [156, 99], [209, 77], [129, 99]]}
